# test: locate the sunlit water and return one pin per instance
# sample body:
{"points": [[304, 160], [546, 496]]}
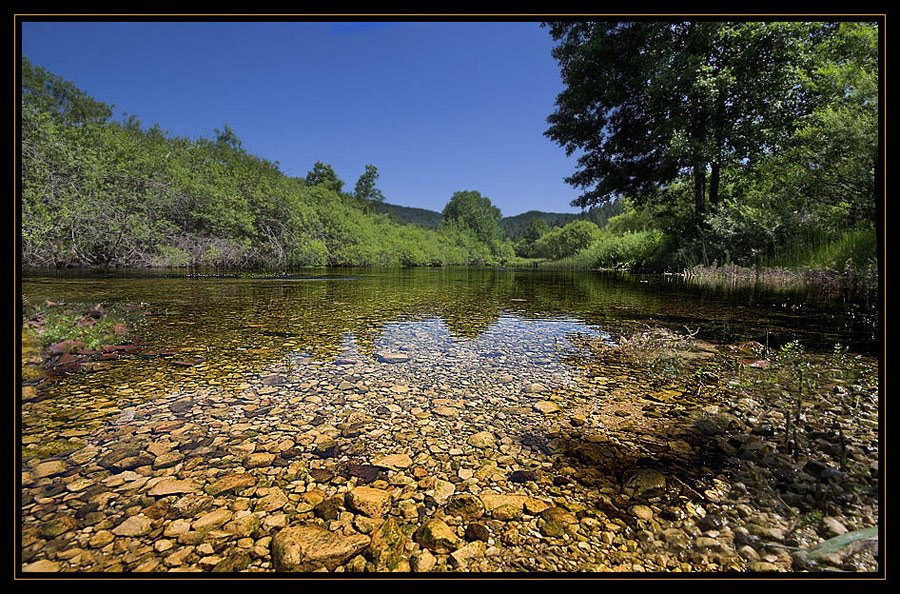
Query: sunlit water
{"points": [[460, 328]]}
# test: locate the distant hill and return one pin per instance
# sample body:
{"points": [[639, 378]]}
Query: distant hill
{"points": [[514, 226], [411, 215]]}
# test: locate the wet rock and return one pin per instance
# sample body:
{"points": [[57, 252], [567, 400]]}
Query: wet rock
{"points": [[121, 464], [704, 542], [310, 547], [446, 411], [555, 521], [57, 526], [50, 468], [715, 425], [179, 557], [748, 553], [504, 507], [394, 461], [763, 566], [465, 506], [101, 538], [212, 520], [771, 533], [181, 405], [172, 487], [422, 561], [275, 500], [326, 447], [461, 557], [435, 535], [374, 503], [546, 407], [243, 526], [323, 475], [645, 483], [230, 483], [642, 512], [481, 440], [535, 388], [168, 460], [329, 509], [177, 527], [535, 506], [274, 380], [387, 548], [43, 565], [442, 491], [710, 522], [367, 525], [236, 561], [392, 357], [523, 476], [134, 526], [259, 459], [357, 564], [477, 532], [833, 526], [577, 420], [190, 505], [161, 546]]}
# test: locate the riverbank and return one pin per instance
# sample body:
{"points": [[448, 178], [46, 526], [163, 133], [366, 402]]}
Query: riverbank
{"points": [[836, 281], [658, 453], [61, 338]]}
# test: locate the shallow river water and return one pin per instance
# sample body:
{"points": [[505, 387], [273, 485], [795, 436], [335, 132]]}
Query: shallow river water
{"points": [[297, 389]]}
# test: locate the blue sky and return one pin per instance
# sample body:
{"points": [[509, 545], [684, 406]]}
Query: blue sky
{"points": [[437, 107]]}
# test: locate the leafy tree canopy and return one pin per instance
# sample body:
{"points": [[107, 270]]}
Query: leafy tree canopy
{"points": [[365, 186], [322, 174], [471, 211], [47, 92], [645, 102]]}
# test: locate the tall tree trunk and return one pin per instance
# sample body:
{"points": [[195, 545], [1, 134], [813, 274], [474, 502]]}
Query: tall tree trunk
{"points": [[699, 190], [714, 186]]}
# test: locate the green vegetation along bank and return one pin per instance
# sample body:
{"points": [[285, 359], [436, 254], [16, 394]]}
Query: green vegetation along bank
{"points": [[703, 144], [98, 192], [753, 144]]}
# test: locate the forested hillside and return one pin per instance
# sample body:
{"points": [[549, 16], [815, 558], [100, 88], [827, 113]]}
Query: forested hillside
{"points": [[99, 192]]}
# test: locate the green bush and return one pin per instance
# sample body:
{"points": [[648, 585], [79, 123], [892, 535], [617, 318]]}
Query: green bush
{"points": [[629, 251], [565, 241]]}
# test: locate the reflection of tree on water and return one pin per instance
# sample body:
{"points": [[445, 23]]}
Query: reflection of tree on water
{"points": [[233, 326]]}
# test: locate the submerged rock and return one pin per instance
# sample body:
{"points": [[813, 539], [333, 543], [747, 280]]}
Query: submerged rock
{"points": [[435, 535], [374, 503], [309, 547]]}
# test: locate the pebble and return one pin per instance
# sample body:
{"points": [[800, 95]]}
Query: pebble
{"points": [[365, 465]]}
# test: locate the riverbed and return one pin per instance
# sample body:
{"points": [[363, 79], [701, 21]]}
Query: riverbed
{"points": [[448, 420]]}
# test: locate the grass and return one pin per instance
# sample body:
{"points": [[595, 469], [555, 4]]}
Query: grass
{"points": [[855, 249], [52, 324], [627, 251]]}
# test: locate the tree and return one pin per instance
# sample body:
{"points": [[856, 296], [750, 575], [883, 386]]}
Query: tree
{"points": [[471, 211], [837, 143], [536, 228], [646, 102], [322, 174], [565, 241], [227, 138], [44, 91], [365, 186]]}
